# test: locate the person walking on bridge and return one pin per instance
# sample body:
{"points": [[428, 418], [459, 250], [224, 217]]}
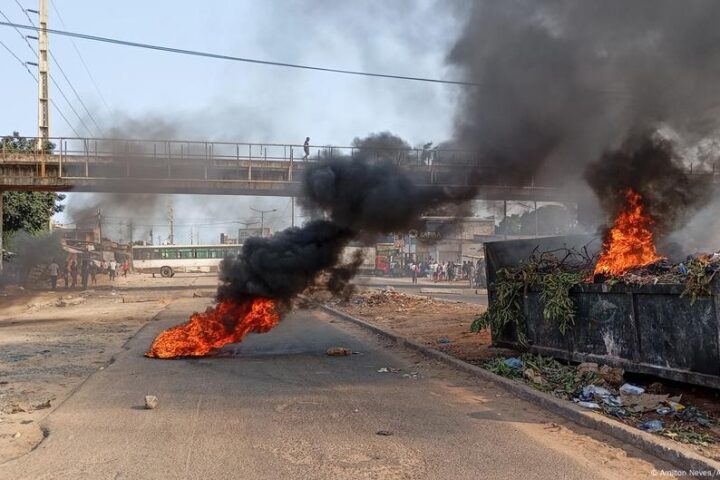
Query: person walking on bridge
{"points": [[306, 148]]}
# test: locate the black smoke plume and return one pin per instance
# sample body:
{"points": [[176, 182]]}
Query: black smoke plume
{"points": [[356, 197], [562, 82], [648, 164]]}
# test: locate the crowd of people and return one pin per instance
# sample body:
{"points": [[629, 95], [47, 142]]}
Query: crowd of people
{"points": [[472, 272], [87, 270]]}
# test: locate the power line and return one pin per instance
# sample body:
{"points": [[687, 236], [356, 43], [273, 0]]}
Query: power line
{"points": [[82, 60], [24, 65], [21, 35], [82, 122], [18, 59], [52, 79], [236, 59], [57, 64]]}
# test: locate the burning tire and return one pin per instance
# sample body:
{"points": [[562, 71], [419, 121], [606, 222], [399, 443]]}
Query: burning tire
{"points": [[166, 272]]}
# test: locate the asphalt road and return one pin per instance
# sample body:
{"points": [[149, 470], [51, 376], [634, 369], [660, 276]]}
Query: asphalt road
{"points": [[276, 407]]}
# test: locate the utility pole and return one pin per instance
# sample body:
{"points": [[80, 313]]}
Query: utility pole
{"points": [[130, 231], [43, 89], [191, 235], [292, 211], [99, 222], [171, 219], [262, 218]]}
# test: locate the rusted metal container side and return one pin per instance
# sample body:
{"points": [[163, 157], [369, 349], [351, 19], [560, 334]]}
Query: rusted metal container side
{"points": [[648, 329]]}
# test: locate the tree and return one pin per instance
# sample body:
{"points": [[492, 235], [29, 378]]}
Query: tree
{"points": [[29, 211]]}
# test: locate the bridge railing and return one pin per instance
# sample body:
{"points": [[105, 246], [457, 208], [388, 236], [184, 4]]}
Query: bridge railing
{"points": [[218, 150], [218, 153]]}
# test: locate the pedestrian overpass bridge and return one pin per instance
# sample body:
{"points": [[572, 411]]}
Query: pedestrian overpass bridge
{"points": [[225, 168]]}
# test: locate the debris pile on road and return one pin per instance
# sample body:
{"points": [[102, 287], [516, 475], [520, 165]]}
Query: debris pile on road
{"points": [[603, 389], [389, 296]]}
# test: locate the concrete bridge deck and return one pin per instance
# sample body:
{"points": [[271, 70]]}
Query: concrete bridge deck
{"points": [[140, 166]]}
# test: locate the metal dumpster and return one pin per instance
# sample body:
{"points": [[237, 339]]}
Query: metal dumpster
{"points": [[644, 329]]}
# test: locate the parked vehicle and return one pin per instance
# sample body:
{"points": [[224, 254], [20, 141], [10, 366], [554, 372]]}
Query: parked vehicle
{"points": [[167, 260]]}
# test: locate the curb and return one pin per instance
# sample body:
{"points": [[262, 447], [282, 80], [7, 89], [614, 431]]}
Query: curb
{"points": [[663, 449]]}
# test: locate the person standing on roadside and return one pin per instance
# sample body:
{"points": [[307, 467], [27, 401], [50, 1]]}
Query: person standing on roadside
{"points": [[85, 274], [65, 275], [53, 270], [113, 269], [73, 272]]}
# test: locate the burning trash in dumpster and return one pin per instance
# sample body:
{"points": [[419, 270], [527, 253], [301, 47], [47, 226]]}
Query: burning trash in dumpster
{"points": [[630, 240]]}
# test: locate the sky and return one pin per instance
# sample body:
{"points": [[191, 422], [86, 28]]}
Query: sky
{"points": [[207, 99]]}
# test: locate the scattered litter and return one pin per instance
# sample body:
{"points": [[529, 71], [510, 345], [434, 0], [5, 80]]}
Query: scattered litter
{"points": [[384, 433], [618, 412], [692, 413], [69, 301], [645, 402], [383, 370], [151, 402], [444, 340], [338, 352], [612, 376], [12, 408], [588, 367], [656, 387], [533, 376], [651, 426], [514, 362], [40, 406], [606, 392], [632, 389], [411, 375], [17, 435], [593, 392]]}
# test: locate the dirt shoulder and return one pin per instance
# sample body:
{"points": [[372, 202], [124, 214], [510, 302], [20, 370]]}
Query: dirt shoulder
{"points": [[50, 342], [442, 324]]}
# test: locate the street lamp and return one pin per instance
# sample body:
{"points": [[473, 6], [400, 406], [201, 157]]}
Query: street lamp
{"points": [[262, 217]]}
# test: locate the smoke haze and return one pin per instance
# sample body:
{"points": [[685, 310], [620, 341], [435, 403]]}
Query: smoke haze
{"points": [[562, 82], [357, 197]]}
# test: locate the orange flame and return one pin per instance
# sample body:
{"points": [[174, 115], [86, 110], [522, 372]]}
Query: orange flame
{"points": [[227, 322], [630, 243]]}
